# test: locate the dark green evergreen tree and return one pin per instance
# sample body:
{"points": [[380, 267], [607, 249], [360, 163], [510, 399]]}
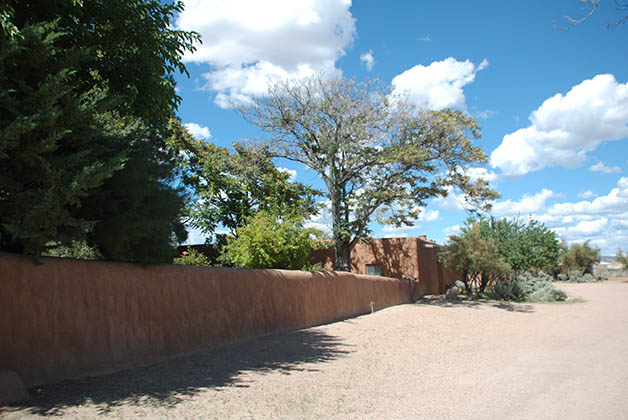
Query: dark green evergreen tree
{"points": [[85, 97]]}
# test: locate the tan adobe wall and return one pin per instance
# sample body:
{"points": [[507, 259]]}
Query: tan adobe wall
{"points": [[449, 278], [408, 258], [397, 256], [69, 318], [429, 276]]}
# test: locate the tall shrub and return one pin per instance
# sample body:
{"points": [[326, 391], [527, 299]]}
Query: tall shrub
{"points": [[270, 241], [621, 258], [474, 256], [580, 257]]}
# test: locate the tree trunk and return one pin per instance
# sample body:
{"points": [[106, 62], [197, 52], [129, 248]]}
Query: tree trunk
{"points": [[343, 257], [483, 282], [339, 215], [467, 285]]}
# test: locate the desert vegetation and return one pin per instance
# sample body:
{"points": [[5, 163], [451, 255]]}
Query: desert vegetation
{"points": [[509, 259]]}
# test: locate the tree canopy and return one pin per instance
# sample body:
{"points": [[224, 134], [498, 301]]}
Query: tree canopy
{"points": [[230, 186], [622, 258], [488, 249], [271, 241], [85, 97], [580, 256], [379, 157], [524, 246], [475, 256]]}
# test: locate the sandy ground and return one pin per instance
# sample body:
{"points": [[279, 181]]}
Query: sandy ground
{"points": [[429, 360]]}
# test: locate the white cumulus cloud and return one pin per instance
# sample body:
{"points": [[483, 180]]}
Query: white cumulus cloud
{"points": [[483, 173], [589, 227], [452, 230], [439, 85], [368, 60], [195, 236], [322, 221], [415, 228], [452, 201], [616, 201], [197, 131], [587, 194], [249, 43], [565, 127], [601, 167], [529, 204], [603, 220]]}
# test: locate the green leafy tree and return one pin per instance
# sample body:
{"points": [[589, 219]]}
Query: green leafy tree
{"points": [[231, 186], [475, 257], [77, 249], [270, 241], [85, 96], [379, 157], [621, 258], [580, 257], [524, 246]]}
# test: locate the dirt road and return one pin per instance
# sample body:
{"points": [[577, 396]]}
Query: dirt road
{"points": [[429, 360]]}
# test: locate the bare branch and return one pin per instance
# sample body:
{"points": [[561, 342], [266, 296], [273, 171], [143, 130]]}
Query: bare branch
{"points": [[589, 11]]}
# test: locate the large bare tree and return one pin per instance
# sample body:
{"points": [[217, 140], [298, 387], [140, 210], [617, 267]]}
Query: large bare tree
{"points": [[379, 157]]}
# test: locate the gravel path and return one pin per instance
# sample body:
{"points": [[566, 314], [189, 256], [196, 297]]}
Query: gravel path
{"points": [[429, 360]]}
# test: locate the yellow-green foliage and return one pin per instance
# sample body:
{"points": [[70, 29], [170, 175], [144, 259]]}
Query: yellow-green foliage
{"points": [[269, 241], [580, 257], [192, 257], [623, 259], [473, 255]]}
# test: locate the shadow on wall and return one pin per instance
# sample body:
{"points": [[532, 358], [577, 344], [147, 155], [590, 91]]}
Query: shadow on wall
{"points": [[442, 302], [395, 258], [168, 383]]}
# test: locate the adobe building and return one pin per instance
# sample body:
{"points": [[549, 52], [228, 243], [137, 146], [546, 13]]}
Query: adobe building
{"points": [[414, 259]]}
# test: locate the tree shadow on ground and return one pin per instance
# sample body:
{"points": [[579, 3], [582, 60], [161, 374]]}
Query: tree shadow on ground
{"points": [[168, 383], [442, 302]]}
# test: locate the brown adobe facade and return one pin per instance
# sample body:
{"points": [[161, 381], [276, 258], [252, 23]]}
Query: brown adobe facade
{"points": [[414, 259]]}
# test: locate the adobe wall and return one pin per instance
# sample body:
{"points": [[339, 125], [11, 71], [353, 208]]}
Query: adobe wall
{"points": [[449, 277], [69, 318], [408, 258], [397, 256], [429, 278]]}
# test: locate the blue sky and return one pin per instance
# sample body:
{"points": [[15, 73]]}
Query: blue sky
{"points": [[553, 103]]}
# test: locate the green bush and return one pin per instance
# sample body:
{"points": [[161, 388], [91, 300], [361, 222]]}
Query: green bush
{"points": [[78, 249], [621, 258], [192, 257], [270, 241], [545, 291], [511, 289], [576, 276], [580, 257], [314, 267], [525, 287]]}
